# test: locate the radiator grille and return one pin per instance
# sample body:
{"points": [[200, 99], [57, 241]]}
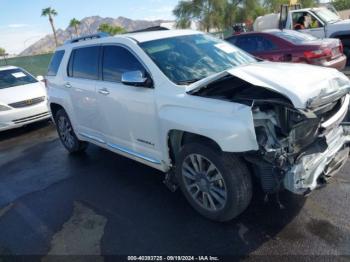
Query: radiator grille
{"points": [[28, 102]]}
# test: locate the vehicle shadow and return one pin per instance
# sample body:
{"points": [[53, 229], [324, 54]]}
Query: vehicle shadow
{"points": [[145, 218], [25, 130]]}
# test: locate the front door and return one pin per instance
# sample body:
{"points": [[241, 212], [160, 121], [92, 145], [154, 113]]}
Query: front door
{"points": [[128, 114]]}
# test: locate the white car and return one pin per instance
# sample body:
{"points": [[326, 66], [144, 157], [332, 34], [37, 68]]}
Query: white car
{"points": [[204, 112], [23, 98]]}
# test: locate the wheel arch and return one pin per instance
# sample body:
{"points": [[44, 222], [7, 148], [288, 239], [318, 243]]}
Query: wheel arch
{"points": [[178, 138], [341, 34], [54, 107]]}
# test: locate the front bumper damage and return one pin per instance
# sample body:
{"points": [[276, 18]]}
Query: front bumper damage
{"points": [[319, 163], [314, 169], [301, 163]]}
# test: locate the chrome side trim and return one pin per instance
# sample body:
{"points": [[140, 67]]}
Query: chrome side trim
{"points": [[93, 138], [138, 155]]}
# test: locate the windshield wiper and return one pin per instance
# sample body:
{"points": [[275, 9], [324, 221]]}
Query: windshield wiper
{"points": [[189, 81]]}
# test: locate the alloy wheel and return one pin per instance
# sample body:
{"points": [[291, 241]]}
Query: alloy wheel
{"points": [[204, 182], [65, 131]]}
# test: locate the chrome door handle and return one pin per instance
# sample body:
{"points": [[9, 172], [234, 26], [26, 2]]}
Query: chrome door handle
{"points": [[104, 91], [68, 85]]}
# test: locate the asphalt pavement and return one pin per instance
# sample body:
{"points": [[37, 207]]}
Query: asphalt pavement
{"points": [[100, 204]]}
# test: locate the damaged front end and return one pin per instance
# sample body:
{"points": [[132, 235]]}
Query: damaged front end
{"points": [[299, 149]]}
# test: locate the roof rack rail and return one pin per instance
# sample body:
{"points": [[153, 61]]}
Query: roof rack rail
{"points": [[86, 37]]}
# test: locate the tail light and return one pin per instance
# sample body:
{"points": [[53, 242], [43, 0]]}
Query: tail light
{"points": [[341, 48], [316, 54]]}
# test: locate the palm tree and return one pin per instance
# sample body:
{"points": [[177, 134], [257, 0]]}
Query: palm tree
{"points": [[110, 29], [50, 13], [209, 13], [231, 12], [3, 53], [74, 23]]}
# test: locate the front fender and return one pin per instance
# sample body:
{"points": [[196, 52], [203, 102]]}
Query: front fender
{"points": [[233, 131]]}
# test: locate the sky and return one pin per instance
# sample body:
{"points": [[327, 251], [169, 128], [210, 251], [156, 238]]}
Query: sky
{"points": [[21, 23]]}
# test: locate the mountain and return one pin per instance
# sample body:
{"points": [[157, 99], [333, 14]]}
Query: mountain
{"points": [[89, 25]]}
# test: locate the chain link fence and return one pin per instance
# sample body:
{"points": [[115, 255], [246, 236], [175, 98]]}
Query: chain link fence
{"points": [[36, 65]]}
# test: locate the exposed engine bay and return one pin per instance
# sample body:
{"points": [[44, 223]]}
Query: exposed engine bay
{"points": [[299, 149]]}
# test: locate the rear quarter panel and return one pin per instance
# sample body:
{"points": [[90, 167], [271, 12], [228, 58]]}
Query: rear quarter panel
{"points": [[57, 93]]}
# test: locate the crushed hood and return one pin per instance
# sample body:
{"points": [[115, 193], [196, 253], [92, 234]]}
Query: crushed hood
{"points": [[301, 83]]}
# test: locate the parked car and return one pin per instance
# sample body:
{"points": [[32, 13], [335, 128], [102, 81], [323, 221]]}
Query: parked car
{"points": [[23, 98], [204, 112], [292, 46], [320, 22]]}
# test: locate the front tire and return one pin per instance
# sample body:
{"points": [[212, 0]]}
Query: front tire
{"points": [[217, 184], [67, 135]]}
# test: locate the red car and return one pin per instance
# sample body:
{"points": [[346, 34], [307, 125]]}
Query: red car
{"points": [[292, 46]]}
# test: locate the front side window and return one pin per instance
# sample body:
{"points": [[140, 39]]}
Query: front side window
{"points": [[187, 59], [305, 20], [299, 20], [84, 63], [15, 77], [116, 61]]}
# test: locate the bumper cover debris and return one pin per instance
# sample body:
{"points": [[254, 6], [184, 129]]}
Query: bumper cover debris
{"points": [[312, 170]]}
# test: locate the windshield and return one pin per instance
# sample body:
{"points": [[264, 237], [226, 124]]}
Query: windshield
{"points": [[326, 15], [15, 77], [293, 37], [187, 59]]}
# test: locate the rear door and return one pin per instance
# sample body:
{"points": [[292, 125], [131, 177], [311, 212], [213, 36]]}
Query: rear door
{"points": [[83, 73], [127, 113]]}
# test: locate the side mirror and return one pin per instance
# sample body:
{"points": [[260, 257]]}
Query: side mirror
{"points": [[136, 78], [40, 78]]}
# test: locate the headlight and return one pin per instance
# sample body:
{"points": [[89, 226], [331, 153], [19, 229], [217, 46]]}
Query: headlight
{"points": [[4, 108], [305, 132], [301, 127]]}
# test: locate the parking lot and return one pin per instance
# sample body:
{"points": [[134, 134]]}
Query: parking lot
{"points": [[100, 203]]}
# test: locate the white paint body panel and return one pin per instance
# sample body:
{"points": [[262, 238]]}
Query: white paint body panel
{"points": [[298, 82]]}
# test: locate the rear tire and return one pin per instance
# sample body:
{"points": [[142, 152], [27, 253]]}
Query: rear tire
{"points": [[67, 135], [218, 185]]}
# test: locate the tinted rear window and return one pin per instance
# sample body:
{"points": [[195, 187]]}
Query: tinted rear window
{"points": [[231, 39], [254, 43], [55, 63], [15, 77], [84, 63], [294, 37]]}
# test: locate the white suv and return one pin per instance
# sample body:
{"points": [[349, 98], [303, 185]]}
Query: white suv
{"points": [[204, 112]]}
